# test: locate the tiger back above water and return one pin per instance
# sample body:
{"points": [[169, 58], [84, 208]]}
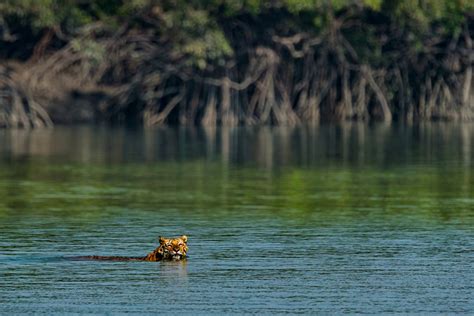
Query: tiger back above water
{"points": [[169, 249]]}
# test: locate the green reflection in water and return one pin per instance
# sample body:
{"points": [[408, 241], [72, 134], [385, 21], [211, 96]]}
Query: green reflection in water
{"points": [[321, 196]]}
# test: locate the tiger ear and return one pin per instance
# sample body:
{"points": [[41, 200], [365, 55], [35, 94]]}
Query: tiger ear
{"points": [[184, 238], [161, 240]]}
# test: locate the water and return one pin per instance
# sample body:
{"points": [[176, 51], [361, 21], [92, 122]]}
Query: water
{"points": [[331, 219]]}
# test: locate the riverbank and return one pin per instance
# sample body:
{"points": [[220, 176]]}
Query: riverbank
{"points": [[281, 64]]}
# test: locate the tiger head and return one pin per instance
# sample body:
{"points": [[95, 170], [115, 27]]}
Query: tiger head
{"points": [[173, 248]]}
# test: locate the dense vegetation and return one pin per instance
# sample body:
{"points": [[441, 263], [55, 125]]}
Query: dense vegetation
{"points": [[235, 62]]}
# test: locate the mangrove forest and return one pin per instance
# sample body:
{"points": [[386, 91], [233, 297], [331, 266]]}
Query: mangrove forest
{"points": [[235, 62]]}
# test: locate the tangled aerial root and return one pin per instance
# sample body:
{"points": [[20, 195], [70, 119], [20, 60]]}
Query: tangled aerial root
{"points": [[298, 79], [18, 108], [291, 78]]}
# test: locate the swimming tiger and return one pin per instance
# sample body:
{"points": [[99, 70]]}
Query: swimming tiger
{"points": [[169, 249]]}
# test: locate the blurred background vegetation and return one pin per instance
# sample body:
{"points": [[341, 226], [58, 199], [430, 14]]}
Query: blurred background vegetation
{"points": [[212, 62]]}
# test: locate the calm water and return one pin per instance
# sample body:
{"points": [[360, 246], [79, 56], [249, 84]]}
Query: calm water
{"points": [[331, 219]]}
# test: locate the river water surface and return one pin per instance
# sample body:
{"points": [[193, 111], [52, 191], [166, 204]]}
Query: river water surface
{"points": [[330, 219]]}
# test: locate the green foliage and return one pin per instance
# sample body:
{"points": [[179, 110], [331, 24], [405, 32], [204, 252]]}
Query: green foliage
{"points": [[373, 4], [419, 15], [90, 49], [296, 6], [197, 35], [194, 25], [133, 6], [39, 13], [49, 13]]}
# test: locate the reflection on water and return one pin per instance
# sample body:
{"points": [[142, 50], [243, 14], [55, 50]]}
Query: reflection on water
{"points": [[354, 144], [329, 219]]}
